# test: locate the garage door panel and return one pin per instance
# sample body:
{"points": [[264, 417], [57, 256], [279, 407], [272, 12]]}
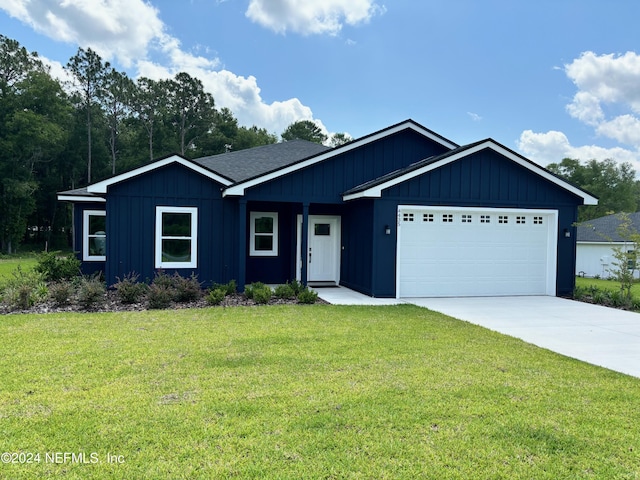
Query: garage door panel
{"points": [[455, 254]]}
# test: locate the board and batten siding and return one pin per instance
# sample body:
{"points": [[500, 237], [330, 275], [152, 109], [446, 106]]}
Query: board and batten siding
{"points": [[484, 179], [326, 181], [131, 212]]}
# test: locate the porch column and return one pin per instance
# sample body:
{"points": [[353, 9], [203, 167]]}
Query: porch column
{"points": [[242, 244], [304, 254]]}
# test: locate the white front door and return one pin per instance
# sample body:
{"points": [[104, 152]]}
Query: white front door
{"points": [[323, 255]]}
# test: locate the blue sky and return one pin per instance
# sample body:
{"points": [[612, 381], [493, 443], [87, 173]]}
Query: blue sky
{"points": [[549, 79]]}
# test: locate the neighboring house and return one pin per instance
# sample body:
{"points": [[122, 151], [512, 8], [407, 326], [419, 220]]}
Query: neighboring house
{"points": [[597, 241], [401, 212]]}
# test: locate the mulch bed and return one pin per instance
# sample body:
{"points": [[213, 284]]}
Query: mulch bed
{"points": [[112, 304]]}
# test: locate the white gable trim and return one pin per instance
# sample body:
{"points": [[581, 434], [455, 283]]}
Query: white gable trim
{"points": [[101, 187], [80, 198], [376, 191], [239, 189]]}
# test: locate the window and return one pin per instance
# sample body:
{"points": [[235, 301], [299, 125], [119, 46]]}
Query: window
{"points": [[322, 229], [466, 218], [407, 217], [176, 237], [537, 220], [427, 217], [521, 220], [447, 218], [264, 234], [503, 219], [485, 218], [94, 233]]}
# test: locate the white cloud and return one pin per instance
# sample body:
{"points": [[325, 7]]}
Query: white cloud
{"points": [[311, 16], [553, 146], [129, 31], [474, 116], [607, 100]]}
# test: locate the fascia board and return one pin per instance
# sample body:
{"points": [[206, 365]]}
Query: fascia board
{"points": [[239, 188], [101, 187], [80, 198], [376, 191]]}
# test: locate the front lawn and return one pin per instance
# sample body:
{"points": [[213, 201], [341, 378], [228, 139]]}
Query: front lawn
{"points": [[8, 264], [303, 392], [602, 284]]}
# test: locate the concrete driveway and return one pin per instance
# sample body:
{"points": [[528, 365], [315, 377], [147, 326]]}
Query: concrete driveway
{"points": [[598, 335]]}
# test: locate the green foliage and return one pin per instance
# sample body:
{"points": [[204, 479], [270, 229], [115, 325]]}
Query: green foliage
{"points": [[249, 290], [61, 292], [187, 289], [23, 289], [129, 290], [613, 183], [284, 291], [159, 296], [216, 296], [258, 292], [304, 130], [55, 267], [91, 292], [307, 296], [230, 288]]}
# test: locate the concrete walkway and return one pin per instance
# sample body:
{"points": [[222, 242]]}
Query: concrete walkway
{"points": [[598, 335]]}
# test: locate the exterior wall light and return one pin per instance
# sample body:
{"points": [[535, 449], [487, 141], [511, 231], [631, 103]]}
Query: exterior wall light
{"points": [[387, 230], [567, 233]]}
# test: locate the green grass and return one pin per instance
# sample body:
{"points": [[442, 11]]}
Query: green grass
{"points": [[293, 392], [9, 264], [606, 284]]}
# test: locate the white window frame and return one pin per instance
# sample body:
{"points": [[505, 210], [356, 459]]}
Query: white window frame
{"points": [[252, 234], [86, 236], [193, 263]]}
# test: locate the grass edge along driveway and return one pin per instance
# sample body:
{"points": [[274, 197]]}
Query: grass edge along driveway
{"points": [[303, 392]]}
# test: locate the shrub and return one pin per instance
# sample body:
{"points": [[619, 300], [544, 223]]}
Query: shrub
{"points": [[53, 267], [186, 289], [24, 289], [231, 287], [296, 286], [216, 296], [284, 291], [61, 292], [307, 296], [262, 295], [249, 290], [129, 290], [159, 296], [91, 292]]}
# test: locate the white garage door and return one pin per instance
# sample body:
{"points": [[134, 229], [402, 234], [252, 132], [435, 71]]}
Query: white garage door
{"points": [[445, 252]]}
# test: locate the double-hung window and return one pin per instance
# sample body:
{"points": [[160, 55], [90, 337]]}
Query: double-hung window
{"points": [[176, 237], [94, 236], [263, 234]]}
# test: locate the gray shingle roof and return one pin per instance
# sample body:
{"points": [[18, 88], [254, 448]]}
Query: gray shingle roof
{"points": [[605, 229], [252, 162]]}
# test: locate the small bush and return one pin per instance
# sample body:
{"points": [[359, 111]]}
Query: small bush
{"points": [[262, 295], [24, 289], [297, 287], [159, 296], [307, 296], [54, 267], [129, 290], [284, 291], [216, 296], [249, 290], [61, 292], [91, 293], [186, 289], [231, 287]]}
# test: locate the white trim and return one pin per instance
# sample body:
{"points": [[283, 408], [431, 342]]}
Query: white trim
{"points": [[552, 237], [101, 187], [376, 191], [86, 255], [193, 263], [252, 234], [239, 189], [81, 198]]}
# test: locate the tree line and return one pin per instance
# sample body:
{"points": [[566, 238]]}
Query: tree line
{"points": [[56, 136]]}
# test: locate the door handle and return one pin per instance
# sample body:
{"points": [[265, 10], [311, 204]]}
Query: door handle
{"points": [[309, 254]]}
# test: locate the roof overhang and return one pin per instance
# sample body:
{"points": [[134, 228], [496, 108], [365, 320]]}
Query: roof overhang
{"points": [[239, 188], [375, 191], [101, 187], [80, 198]]}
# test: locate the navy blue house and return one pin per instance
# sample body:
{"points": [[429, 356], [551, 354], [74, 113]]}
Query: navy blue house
{"points": [[399, 213]]}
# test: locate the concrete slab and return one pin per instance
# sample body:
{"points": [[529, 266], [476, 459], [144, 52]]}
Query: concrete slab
{"points": [[598, 335], [346, 296]]}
